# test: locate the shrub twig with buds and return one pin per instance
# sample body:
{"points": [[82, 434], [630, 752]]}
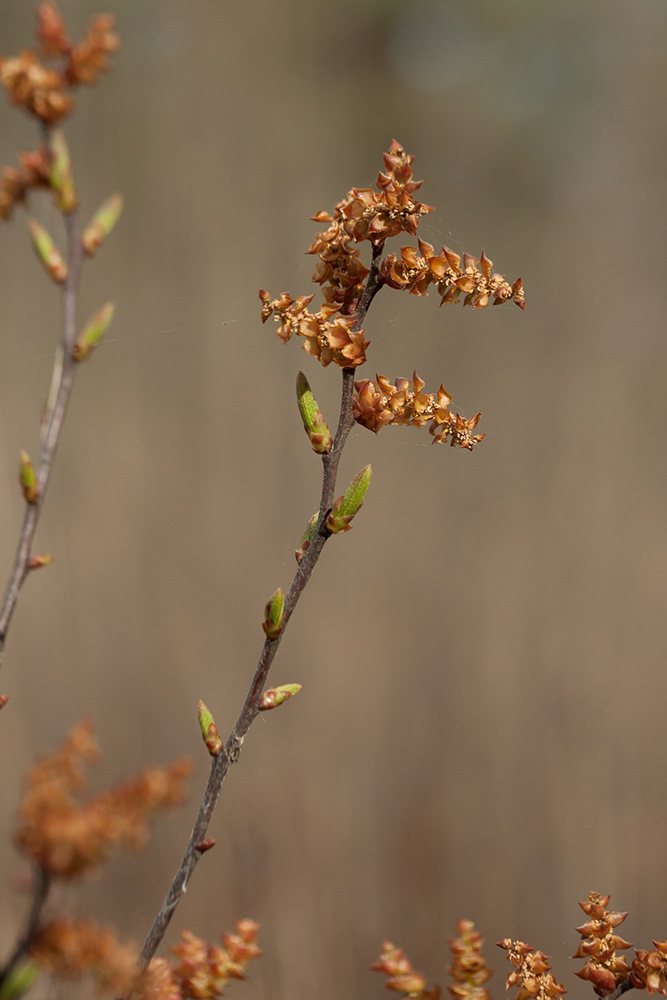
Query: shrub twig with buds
{"points": [[42, 82], [335, 336]]}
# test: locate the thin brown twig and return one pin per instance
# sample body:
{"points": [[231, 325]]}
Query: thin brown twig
{"points": [[40, 893], [63, 377], [626, 985], [232, 749]]}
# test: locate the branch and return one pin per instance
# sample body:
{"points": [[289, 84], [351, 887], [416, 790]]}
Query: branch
{"points": [[626, 985], [61, 388], [40, 893], [221, 764]]}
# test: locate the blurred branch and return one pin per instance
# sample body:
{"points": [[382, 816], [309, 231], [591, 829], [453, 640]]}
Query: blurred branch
{"points": [[620, 990], [40, 893], [197, 844], [61, 388]]}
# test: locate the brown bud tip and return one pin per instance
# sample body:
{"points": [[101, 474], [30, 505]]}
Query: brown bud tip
{"points": [[205, 845], [4, 698]]}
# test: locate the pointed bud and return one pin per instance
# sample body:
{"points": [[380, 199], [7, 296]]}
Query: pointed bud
{"points": [[307, 537], [4, 698], [19, 980], [93, 331], [36, 562], [61, 177], [27, 478], [101, 224], [276, 696], [209, 730], [205, 845], [314, 423], [348, 505], [274, 614], [47, 251]]}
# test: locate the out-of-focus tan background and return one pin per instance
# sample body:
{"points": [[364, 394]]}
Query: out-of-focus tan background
{"points": [[481, 731]]}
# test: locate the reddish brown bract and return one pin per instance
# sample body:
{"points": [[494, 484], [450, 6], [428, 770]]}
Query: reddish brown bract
{"points": [[328, 335], [201, 971], [604, 969], [335, 333], [66, 837], [468, 970], [649, 968], [403, 402], [532, 976], [69, 949], [480, 284], [401, 977], [40, 88]]}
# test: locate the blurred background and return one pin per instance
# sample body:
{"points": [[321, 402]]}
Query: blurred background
{"points": [[481, 731]]}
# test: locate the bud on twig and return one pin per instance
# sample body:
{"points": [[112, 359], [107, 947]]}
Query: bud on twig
{"points": [[61, 176], [19, 980], [209, 730], [348, 505], [93, 331], [47, 251], [314, 423], [274, 614], [101, 224], [276, 696], [27, 478], [205, 845], [307, 537], [36, 562]]}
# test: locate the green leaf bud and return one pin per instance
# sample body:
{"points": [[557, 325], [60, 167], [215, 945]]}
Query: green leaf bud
{"points": [[348, 505], [101, 224], [274, 614], [27, 478], [93, 331], [61, 176], [19, 980], [314, 423], [47, 251], [277, 695], [307, 537], [209, 730]]}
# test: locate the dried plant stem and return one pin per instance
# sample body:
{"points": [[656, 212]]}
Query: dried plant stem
{"points": [[61, 388], [232, 749], [40, 893], [626, 985]]}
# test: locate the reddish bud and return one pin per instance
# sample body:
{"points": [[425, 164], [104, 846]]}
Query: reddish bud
{"points": [[205, 845]]}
